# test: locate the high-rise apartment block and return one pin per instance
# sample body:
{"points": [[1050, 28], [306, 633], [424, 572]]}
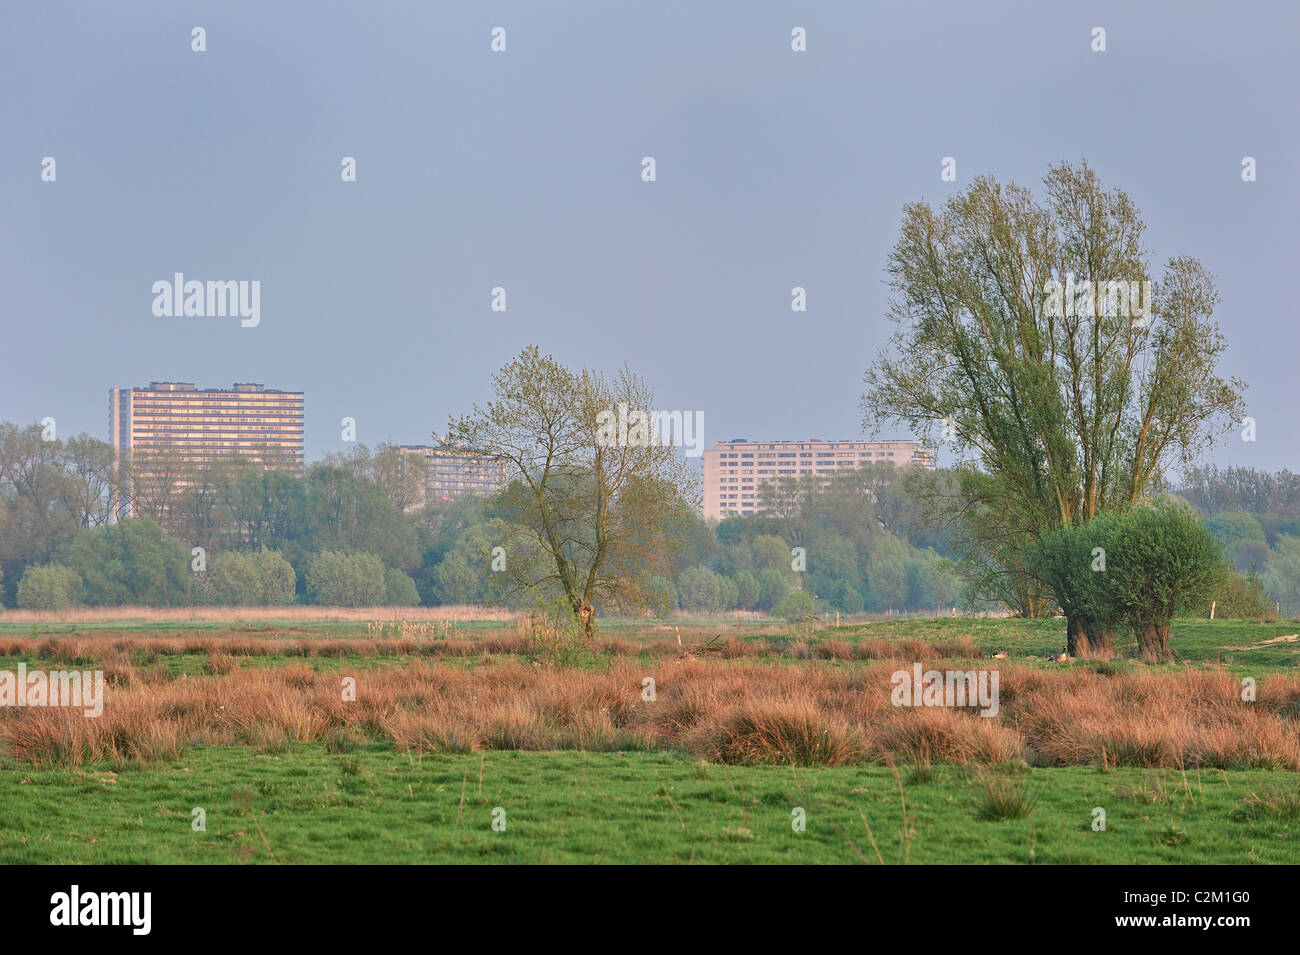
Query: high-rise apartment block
{"points": [[734, 470], [176, 428], [200, 426], [451, 474]]}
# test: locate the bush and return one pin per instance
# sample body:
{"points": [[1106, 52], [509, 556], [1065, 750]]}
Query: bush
{"points": [[850, 599], [1139, 567], [1242, 597], [772, 589], [131, 562], [887, 573], [336, 579], [400, 589], [746, 590], [701, 590], [796, 606], [455, 581], [259, 579], [661, 596], [51, 587], [1162, 560]]}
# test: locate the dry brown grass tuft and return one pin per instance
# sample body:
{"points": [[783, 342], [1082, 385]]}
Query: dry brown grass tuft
{"points": [[936, 734], [742, 710], [834, 650], [783, 731]]}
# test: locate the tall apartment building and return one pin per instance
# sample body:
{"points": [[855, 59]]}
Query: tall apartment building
{"points": [[452, 474], [734, 470], [174, 426]]}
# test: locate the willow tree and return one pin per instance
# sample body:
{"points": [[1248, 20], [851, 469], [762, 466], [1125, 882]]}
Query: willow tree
{"points": [[593, 513], [1034, 340]]}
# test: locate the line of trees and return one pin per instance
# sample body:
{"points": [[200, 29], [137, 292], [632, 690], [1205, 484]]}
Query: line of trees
{"points": [[346, 532], [1255, 515], [349, 531], [259, 533], [1064, 424]]}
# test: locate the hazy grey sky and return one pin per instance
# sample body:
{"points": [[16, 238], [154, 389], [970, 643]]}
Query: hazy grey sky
{"points": [[522, 169]]}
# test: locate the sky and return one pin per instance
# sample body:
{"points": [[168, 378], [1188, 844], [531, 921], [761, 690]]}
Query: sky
{"points": [[522, 169]]}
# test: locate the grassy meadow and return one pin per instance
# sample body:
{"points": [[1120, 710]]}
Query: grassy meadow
{"points": [[455, 716]]}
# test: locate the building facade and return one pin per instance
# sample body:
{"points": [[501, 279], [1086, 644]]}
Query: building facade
{"points": [[734, 470], [172, 428], [453, 474]]}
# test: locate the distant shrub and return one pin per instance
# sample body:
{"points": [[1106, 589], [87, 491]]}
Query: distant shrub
{"points": [[336, 579], [400, 589], [772, 588], [1242, 597], [49, 587], [796, 606], [701, 590], [131, 562], [263, 578], [746, 590]]}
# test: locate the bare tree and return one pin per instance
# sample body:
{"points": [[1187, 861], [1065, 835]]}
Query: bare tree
{"points": [[603, 511]]}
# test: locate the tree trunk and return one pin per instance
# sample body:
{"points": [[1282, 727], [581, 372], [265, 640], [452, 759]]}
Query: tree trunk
{"points": [[1076, 637], [1085, 637], [1101, 641], [587, 614], [1153, 641]]}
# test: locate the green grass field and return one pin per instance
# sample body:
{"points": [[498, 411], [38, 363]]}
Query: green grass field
{"points": [[376, 805]]}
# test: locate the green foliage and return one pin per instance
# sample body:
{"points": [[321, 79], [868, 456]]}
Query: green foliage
{"points": [[887, 573], [360, 502], [49, 490], [263, 578], [1058, 413], [593, 515], [1282, 576], [1215, 490], [1139, 567], [746, 590], [1234, 529], [1242, 597], [346, 511], [338, 579], [131, 562], [771, 553], [1162, 560], [796, 606], [700, 590], [400, 589], [464, 575], [847, 523], [661, 596], [49, 587], [1070, 561], [728, 593], [456, 582], [772, 589]]}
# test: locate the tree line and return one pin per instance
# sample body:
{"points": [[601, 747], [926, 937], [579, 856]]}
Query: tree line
{"points": [[351, 530]]}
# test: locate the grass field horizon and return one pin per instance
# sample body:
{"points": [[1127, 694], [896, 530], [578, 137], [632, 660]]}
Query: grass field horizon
{"points": [[753, 719]]}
